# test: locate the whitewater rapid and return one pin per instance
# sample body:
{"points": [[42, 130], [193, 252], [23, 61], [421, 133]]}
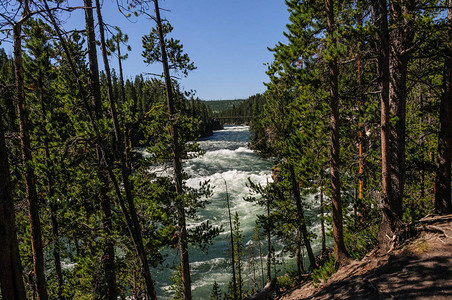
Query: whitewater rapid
{"points": [[227, 161]]}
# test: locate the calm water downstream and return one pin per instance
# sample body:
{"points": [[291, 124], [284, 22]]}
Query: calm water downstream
{"points": [[227, 158]]}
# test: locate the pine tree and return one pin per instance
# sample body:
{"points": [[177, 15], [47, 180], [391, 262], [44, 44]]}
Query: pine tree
{"points": [[27, 160], [216, 292]]}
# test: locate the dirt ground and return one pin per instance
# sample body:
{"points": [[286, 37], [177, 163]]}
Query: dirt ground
{"points": [[419, 269]]}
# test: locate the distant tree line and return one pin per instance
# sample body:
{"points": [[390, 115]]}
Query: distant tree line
{"points": [[241, 111]]}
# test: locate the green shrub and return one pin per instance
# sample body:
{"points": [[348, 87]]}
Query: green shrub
{"points": [[287, 281], [324, 272]]}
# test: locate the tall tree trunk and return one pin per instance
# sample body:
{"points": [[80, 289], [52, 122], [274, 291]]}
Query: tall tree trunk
{"points": [[104, 162], [322, 220], [300, 265], [50, 189], [300, 216], [443, 203], [177, 165], [56, 252], [338, 235], [109, 253], [234, 280], [390, 220], [127, 140], [252, 262], [11, 282], [269, 243], [359, 198], [400, 39], [239, 265], [32, 196], [260, 256]]}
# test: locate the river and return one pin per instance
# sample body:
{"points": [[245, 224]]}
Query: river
{"points": [[226, 159]]}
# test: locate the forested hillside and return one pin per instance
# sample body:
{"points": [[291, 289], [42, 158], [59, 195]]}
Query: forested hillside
{"points": [[217, 106]]}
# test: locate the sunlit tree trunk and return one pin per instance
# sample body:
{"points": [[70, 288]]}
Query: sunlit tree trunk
{"points": [[389, 218], [338, 235]]}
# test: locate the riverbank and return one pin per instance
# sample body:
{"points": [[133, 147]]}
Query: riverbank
{"points": [[420, 268]]}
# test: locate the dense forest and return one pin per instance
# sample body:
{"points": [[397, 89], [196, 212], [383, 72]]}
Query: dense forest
{"points": [[357, 111]]}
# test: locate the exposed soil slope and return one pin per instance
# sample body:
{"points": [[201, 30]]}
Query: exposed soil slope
{"points": [[420, 268]]}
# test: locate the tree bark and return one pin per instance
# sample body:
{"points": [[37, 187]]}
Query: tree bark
{"points": [[443, 203], [104, 161], [300, 264], [338, 235], [269, 243], [11, 282], [234, 280], [50, 190], [322, 220], [109, 253], [390, 220], [32, 196], [177, 165], [300, 217], [400, 40]]}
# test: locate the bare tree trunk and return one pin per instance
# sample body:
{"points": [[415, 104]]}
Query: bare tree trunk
{"points": [[56, 253], [400, 39], [252, 262], [338, 235], [109, 253], [177, 165], [390, 220], [322, 221], [300, 265], [104, 162], [300, 215], [11, 282], [261, 257], [50, 190], [123, 100], [32, 196], [443, 203], [269, 244], [234, 280], [358, 204]]}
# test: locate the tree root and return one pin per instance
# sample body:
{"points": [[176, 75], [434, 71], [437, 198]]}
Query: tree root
{"points": [[426, 224]]}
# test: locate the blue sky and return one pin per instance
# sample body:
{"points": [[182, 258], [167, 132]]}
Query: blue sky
{"points": [[227, 41]]}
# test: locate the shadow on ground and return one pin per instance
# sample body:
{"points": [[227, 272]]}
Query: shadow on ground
{"points": [[401, 277]]}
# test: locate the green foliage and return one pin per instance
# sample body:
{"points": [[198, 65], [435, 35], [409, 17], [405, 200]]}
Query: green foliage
{"points": [[361, 239], [217, 106], [288, 280], [176, 287], [216, 292], [177, 60], [324, 272]]}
